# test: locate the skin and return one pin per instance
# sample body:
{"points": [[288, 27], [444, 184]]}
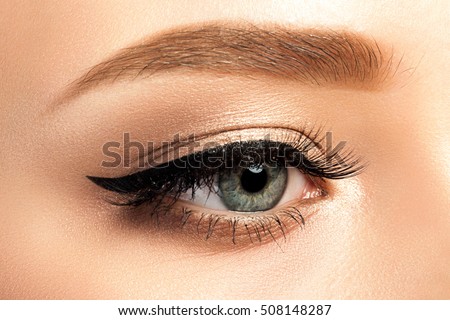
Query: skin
{"points": [[384, 234]]}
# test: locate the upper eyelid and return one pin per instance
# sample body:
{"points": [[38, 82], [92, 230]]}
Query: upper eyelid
{"points": [[139, 180], [182, 145], [115, 184]]}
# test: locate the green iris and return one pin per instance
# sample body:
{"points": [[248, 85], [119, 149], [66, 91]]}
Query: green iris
{"points": [[256, 188]]}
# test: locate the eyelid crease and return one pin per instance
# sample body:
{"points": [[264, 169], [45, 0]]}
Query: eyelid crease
{"points": [[183, 145]]}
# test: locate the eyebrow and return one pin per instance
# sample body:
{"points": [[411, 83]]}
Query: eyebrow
{"points": [[312, 57]]}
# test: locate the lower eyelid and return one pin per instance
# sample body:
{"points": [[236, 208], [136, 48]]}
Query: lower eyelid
{"points": [[224, 230]]}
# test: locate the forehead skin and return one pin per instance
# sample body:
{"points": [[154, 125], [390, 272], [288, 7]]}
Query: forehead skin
{"points": [[385, 235]]}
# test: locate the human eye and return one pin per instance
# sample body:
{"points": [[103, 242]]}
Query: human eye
{"points": [[238, 187]]}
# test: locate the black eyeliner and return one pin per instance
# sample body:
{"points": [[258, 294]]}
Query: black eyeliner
{"points": [[198, 169]]}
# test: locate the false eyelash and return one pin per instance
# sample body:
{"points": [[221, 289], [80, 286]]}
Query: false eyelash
{"points": [[198, 169]]}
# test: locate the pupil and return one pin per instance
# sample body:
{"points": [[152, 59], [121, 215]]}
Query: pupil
{"points": [[253, 182]]}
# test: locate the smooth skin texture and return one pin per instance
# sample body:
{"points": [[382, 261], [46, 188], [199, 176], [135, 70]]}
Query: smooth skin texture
{"points": [[384, 234]]}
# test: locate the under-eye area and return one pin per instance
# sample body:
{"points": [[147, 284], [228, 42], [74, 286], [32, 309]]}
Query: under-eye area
{"points": [[237, 192]]}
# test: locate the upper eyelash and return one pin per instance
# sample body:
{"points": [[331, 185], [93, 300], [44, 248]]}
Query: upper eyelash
{"points": [[169, 179]]}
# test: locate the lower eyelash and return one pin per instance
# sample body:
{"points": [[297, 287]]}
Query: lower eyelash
{"points": [[260, 227], [242, 230]]}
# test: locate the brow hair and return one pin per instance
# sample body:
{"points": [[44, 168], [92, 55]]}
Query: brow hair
{"points": [[315, 57]]}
